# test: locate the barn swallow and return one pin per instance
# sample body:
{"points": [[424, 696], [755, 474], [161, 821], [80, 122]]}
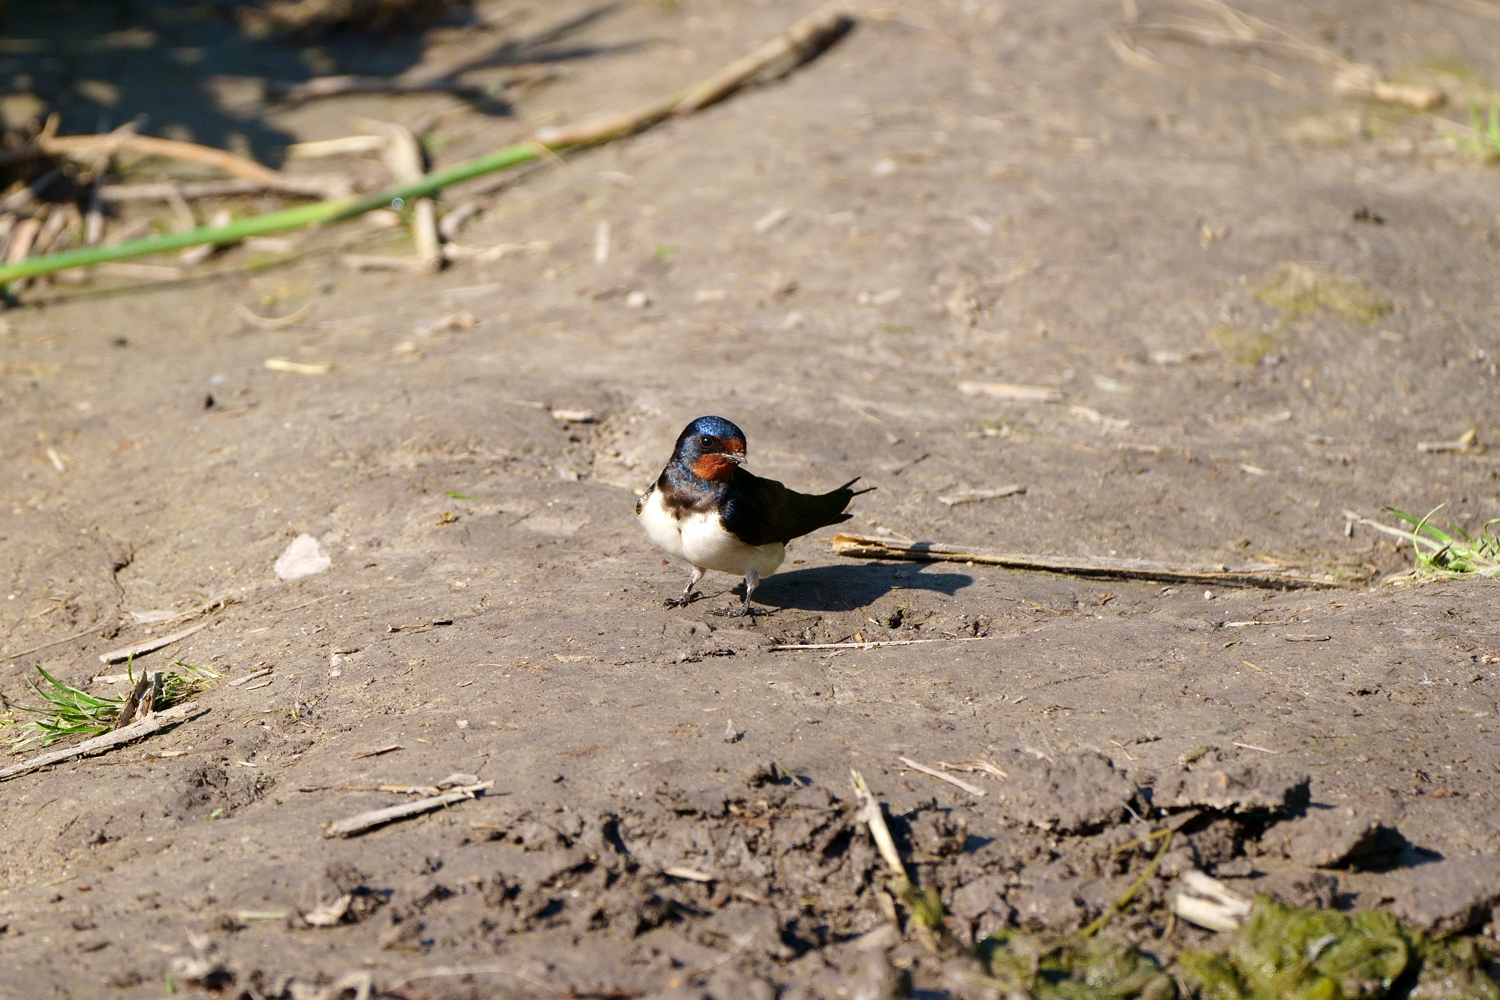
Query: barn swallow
{"points": [[710, 512]]}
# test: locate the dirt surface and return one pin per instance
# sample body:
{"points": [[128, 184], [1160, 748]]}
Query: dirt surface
{"points": [[968, 192]]}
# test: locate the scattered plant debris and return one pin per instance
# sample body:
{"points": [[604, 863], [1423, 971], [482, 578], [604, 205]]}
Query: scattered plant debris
{"points": [[1280, 952], [1454, 556], [68, 712]]}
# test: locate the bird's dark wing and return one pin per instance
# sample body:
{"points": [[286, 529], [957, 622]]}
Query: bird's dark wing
{"points": [[758, 511]]}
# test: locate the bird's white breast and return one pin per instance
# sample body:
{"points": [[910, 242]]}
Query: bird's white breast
{"points": [[661, 525], [701, 540]]}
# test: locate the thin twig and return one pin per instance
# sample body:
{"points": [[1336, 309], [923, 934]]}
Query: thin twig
{"points": [[477, 969], [869, 814], [1243, 32], [950, 779], [379, 817], [690, 874], [150, 645], [257, 675], [784, 648], [343, 146], [987, 766], [100, 744], [455, 217], [48, 645], [976, 496], [319, 186], [378, 751], [272, 322], [388, 789], [189, 152]]}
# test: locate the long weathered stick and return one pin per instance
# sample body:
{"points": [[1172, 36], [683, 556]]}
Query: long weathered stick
{"points": [[328, 187], [939, 775], [175, 149], [99, 744], [379, 817], [150, 645], [863, 547], [800, 43], [869, 814]]}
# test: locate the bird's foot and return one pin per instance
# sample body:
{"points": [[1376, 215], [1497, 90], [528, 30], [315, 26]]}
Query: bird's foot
{"points": [[681, 602]]}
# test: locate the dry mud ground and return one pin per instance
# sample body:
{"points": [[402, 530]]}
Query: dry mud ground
{"points": [[977, 191]]}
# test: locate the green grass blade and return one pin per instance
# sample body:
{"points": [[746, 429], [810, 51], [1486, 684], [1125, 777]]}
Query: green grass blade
{"points": [[275, 222]]}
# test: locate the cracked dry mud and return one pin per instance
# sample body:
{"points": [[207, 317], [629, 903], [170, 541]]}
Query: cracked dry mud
{"points": [[991, 196]]}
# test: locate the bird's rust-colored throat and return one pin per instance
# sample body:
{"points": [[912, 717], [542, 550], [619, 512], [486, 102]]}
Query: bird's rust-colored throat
{"points": [[715, 468]]}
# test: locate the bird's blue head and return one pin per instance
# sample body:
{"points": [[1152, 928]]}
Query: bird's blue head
{"points": [[710, 448]]}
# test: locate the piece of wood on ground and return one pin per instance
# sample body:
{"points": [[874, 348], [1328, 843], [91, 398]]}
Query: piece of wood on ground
{"points": [[150, 645], [321, 185], [690, 874], [869, 814], [403, 158], [190, 152], [242, 681], [1466, 443], [367, 821], [939, 775], [987, 766], [1011, 392], [976, 496], [1206, 902], [145, 688], [102, 744], [392, 748], [342, 146], [787, 648], [1099, 568]]}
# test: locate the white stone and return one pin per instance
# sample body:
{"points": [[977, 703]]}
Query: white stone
{"points": [[304, 557]]}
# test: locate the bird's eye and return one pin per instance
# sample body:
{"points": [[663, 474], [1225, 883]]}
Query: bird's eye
{"points": [[705, 440]]}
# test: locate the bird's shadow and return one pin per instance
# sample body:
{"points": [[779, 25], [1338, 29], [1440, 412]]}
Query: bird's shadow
{"points": [[846, 587]]}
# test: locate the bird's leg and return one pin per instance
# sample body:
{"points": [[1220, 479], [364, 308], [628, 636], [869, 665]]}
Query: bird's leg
{"points": [[688, 597], [752, 580]]}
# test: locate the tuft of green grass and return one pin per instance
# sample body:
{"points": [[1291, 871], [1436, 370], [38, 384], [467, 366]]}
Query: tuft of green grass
{"points": [[1242, 346], [1452, 556], [1485, 140], [1299, 290], [66, 712], [178, 686]]}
